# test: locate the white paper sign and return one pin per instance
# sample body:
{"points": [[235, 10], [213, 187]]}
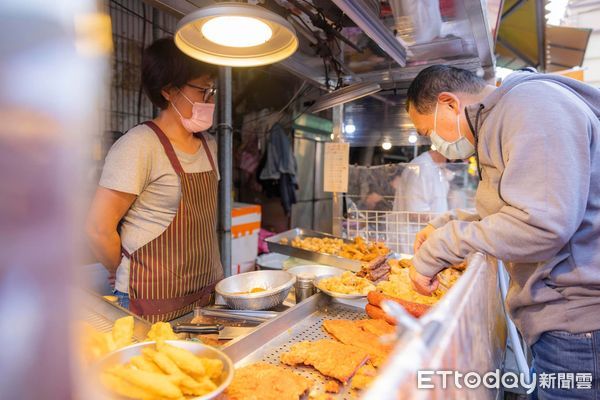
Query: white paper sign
{"points": [[337, 158]]}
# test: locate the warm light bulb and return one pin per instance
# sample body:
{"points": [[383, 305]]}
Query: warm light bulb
{"points": [[386, 145], [412, 139], [234, 31], [350, 128]]}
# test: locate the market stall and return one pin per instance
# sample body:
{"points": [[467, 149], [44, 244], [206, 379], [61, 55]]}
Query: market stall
{"points": [[347, 337]]}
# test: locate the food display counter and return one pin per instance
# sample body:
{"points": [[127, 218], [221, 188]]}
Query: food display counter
{"points": [[465, 331]]}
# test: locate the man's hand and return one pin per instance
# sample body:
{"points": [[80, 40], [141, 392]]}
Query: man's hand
{"points": [[422, 236], [423, 284]]}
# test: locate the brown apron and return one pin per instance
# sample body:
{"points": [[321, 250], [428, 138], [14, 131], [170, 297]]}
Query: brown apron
{"points": [[179, 269]]}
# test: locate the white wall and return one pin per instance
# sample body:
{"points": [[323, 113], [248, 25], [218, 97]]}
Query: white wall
{"points": [[588, 17]]}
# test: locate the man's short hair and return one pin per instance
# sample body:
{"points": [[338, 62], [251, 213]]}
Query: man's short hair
{"points": [[430, 82], [165, 66]]}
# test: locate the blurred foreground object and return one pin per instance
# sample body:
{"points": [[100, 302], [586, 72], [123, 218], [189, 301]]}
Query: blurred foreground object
{"points": [[52, 73]]}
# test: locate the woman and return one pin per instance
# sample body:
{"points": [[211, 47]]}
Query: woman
{"points": [[153, 218]]}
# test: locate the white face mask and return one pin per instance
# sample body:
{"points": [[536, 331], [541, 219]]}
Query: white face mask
{"points": [[202, 116], [460, 149]]}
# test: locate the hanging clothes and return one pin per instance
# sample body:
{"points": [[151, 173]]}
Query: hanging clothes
{"points": [[278, 175]]}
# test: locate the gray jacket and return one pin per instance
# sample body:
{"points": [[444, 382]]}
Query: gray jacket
{"points": [[538, 204]]}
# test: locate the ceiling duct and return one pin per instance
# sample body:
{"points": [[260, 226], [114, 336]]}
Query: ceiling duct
{"points": [[373, 27], [344, 95]]}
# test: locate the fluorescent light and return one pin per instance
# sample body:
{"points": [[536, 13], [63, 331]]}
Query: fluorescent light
{"points": [[412, 138], [236, 35], [237, 31], [350, 128], [344, 95], [386, 145]]}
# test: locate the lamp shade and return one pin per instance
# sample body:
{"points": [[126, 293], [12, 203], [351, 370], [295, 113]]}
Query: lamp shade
{"points": [[236, 35]]}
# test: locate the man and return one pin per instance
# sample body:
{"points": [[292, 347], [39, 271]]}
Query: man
{"points": [[423, 188], [537, 138]]}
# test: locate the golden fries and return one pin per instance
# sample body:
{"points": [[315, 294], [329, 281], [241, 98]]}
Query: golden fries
{"points": [[165, 372]]}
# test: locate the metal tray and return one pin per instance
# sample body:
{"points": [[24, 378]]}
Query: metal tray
{"points": [[102, 314], [301, 323], [318, 258]]}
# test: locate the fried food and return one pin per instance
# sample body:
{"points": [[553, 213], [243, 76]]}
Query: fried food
{"points": [[122, 332], [364, 377], [398, 265], [184, 359], [415, 309], [158, 385], [155, 374], [400, 286], [264, 381], [332, 387], [377, 327], [95, 344], [160, 331], [349, 332], [347, 283], [359, 250], [123, 388], [332, 359], [378, 314]]}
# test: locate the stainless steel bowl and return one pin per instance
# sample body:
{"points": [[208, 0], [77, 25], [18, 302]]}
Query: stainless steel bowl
{"points": [[122, 356], [316, 270], [276, 283]]}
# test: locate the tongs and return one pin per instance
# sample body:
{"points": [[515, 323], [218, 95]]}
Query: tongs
{"points": [[225, 332], [247, 315]]}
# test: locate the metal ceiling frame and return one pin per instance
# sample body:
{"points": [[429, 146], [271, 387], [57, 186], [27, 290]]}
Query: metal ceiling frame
{"points": [[372, 26]]}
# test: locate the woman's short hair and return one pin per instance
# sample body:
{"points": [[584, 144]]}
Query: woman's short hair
{"points": [[165, 66]]}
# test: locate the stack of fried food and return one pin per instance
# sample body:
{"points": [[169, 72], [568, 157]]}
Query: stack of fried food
{"points": [[359, 349], [398, 288], [164, 372], [94, 344], [347, 283], [360, 249], [376, 270]]}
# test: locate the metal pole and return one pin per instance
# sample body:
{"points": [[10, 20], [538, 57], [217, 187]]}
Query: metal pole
{"points": [[541, 34], [336, 227], [225, 131]]}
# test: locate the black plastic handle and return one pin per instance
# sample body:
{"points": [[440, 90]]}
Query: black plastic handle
{"points": [[197, 328]]}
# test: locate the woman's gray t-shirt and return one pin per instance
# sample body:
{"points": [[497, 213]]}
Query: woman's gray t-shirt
{"points": [[137, 164]]}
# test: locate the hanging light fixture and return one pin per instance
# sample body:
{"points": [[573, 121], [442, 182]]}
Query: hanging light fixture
{"points": [[236, 35]]}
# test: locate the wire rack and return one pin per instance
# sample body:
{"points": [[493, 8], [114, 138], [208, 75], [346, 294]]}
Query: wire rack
{"points": [[397, 229]]}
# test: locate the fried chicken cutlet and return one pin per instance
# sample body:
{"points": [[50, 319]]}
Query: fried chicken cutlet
{"points": [[262, 381], [351, 333], [331, 358]]}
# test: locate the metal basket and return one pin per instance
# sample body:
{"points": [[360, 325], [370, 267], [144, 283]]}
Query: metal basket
{"points": [[276, 283]]}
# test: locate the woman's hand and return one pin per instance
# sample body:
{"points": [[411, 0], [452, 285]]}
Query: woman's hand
{"points": [[422, 236], [108, 207]]}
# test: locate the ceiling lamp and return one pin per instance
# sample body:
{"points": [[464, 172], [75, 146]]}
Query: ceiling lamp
{"points": [[236, 35], [344, 95]]}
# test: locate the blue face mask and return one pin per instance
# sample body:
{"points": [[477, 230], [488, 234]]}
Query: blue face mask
{"points": [[460, 149]]}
